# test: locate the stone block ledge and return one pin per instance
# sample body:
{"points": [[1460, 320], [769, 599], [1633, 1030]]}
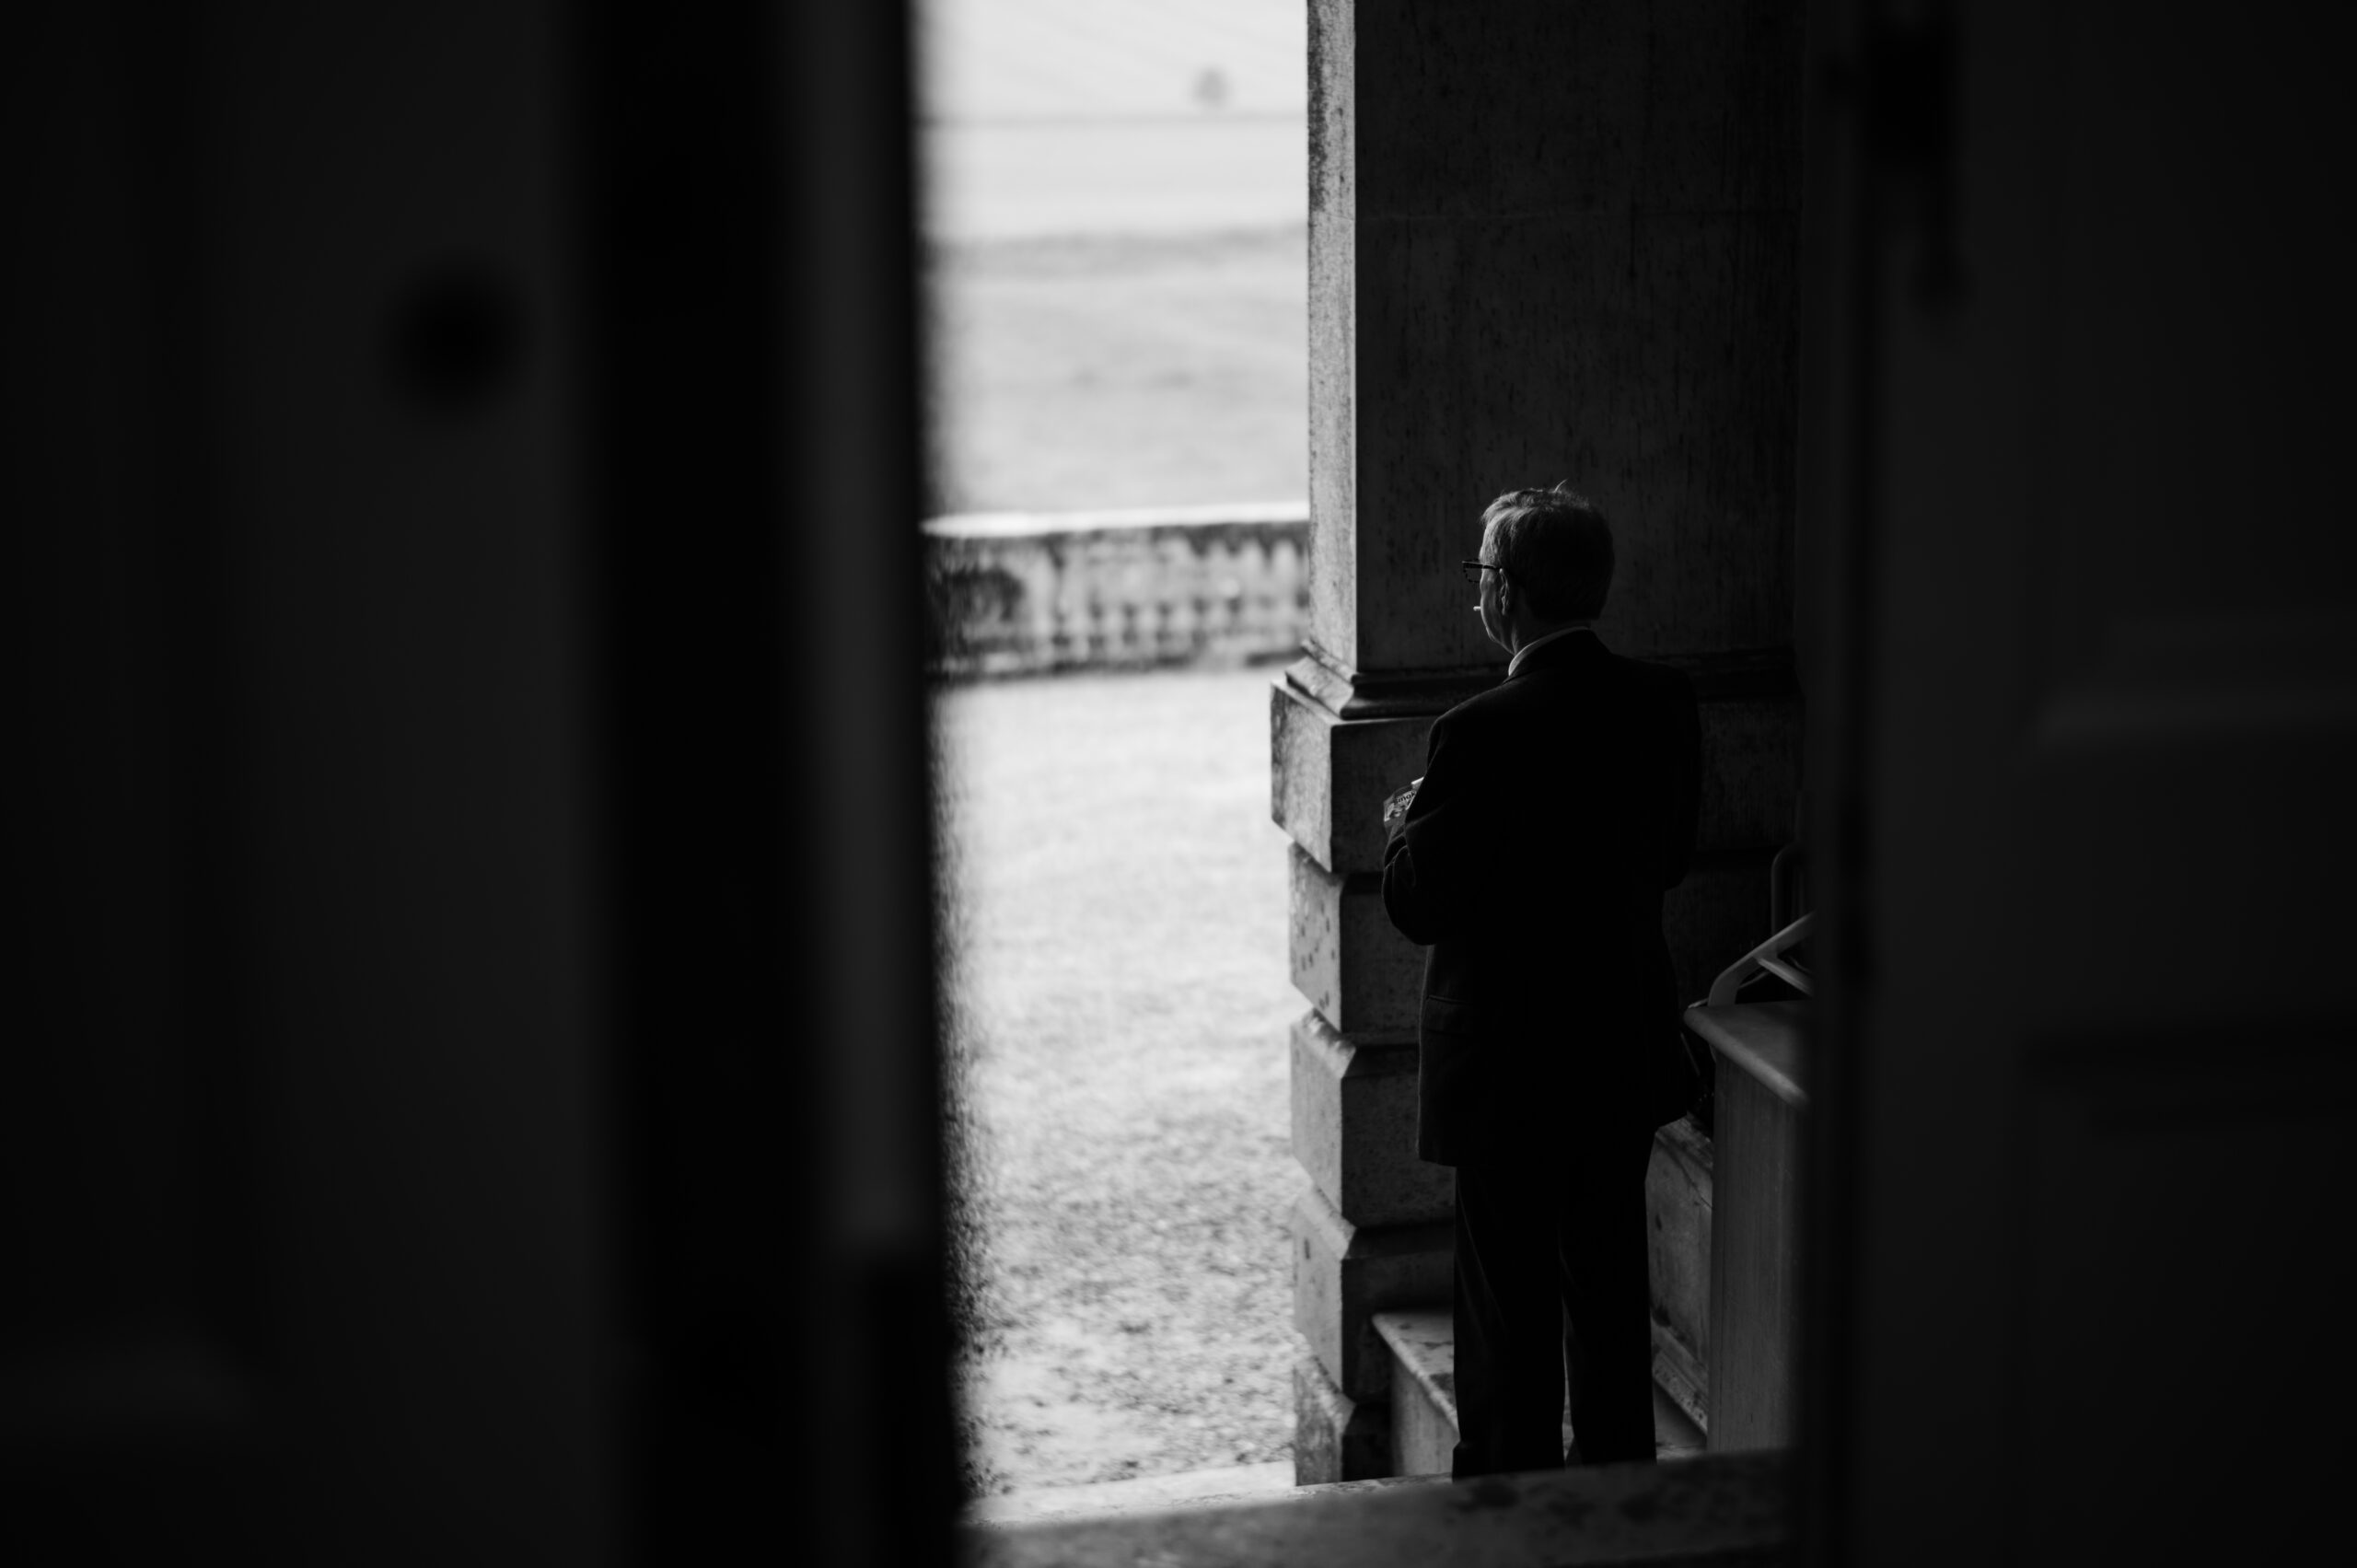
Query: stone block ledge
{"points": [[1720, 1509], [1332, 775], [1347, 960], [1353, 1112], [1343, 1275], [1677, 1228], [1335, 1436], [1388, 695], [1334, 768]]}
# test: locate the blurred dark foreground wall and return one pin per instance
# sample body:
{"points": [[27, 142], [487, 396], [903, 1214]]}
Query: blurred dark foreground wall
{"points": [[467, 1091], [466, 1082]]}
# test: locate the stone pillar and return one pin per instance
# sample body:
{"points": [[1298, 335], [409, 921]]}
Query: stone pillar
{"points": [[1547, 242]]}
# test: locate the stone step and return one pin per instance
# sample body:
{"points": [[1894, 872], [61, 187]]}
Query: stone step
{"points": [[1133, 1491], [1141, 1495], [1678, 1187], [1424, 1397], [1716, 1508]]}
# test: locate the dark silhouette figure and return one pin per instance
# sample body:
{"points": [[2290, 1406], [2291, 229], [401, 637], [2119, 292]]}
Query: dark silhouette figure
{"points": [[1531, 859]]}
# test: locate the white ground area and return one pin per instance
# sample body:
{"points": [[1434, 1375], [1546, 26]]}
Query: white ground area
{"points": [[1116, 202], [1121, 1052]]}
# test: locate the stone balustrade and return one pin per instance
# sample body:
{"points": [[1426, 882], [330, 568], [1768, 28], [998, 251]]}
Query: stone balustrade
{"points": [[1019, 592]]}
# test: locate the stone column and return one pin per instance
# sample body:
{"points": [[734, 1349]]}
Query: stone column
{"points": [[1547, 242]]}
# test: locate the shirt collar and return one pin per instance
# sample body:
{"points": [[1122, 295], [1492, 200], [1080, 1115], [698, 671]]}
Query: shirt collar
{"points": [[1522, 655]]}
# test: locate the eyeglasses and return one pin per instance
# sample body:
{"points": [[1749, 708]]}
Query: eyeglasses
{"points": [[1473, 570]]}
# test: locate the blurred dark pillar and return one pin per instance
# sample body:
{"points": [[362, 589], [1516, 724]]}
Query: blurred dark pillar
{"points": [[468, 1079], [2084, 1085], [755, 471]]}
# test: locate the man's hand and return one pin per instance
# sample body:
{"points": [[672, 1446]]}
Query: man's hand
{"points": [[1395, 810]]}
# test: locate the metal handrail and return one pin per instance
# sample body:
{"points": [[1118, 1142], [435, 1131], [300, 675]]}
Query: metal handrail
{"points": [[1768, 958]]}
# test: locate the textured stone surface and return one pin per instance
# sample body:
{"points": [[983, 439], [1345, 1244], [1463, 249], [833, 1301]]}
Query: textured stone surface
{"points": [[1724, 1510], [1343, 1275], [1423, 1389], [1333, 774], [1355, 1128], [1333, 329], [1677, 1225], [1348, 961], [1520, 275], [1755, 1294], [1335, 1436]]}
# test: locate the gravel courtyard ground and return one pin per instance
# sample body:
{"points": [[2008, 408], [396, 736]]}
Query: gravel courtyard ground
{"points": [[1116, 283], [1120, 1057]]}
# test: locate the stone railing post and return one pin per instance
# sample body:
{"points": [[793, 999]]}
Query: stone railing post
{"points": [[1536, 254]]}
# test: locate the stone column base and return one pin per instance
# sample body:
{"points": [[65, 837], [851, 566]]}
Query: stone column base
{"points": [[1335, 1436]]}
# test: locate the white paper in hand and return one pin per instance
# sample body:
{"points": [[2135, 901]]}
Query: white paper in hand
{"points": [[1396, 809]]}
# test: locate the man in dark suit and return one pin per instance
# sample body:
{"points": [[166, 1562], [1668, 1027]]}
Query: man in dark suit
{"points": [[1531, 859]]}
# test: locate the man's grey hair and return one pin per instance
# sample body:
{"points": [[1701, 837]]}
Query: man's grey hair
{"points": [[1556, 548]]}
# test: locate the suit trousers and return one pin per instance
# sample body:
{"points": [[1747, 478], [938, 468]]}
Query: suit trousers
{"points": [[1553, 1279]]}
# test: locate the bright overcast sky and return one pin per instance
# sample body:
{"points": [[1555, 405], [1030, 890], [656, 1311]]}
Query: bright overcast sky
{"points": [[986, 60]]}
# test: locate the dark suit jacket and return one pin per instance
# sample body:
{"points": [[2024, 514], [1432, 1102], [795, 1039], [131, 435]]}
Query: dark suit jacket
{"points": [[1555, 810]]}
